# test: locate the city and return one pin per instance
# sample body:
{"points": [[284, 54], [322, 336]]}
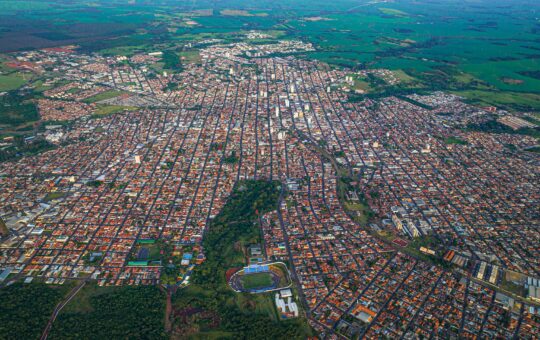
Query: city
{"points": [[364, 183]]}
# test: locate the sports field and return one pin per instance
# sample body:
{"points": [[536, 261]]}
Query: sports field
{"points": [[257, 280]]}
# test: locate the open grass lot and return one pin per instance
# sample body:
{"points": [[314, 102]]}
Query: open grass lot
{"points": [[105, 110], [191, 56], [281, 270], [360, 212], [54, 195], [503, 99], [82, 301], [103, 95], [362, 84], [393, 12], [403, 77], [455, 140], [3, 228], [11, 82], [513, 282]]}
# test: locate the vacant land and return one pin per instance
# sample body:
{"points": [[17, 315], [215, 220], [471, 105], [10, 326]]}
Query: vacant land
{"points": [[103, 96], [3, 228], [191, 56], [104, 110], [53, 196], [394, 12], [503, 99], [11, 82], [455, 140]]}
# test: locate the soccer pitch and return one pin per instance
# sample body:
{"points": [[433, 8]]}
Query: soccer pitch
{"points": [[257, 280]]}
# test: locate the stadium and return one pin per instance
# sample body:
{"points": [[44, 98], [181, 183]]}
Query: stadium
{"points": [[260, 278]]}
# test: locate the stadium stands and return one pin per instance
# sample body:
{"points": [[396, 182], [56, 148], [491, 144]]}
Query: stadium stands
{"points": [[255, 268]]}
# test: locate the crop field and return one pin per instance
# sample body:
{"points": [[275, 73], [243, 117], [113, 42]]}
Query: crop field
{"points": [[492, 45]]}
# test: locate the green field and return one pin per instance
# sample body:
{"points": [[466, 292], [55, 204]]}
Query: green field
{"points": [[455, 140], [393, 12], [257, 280], [450, 45], [103, 96], [192, 56], [11, 82], [504, 99], [54, 195], [480, 40], [362, 84], [105, 110]]}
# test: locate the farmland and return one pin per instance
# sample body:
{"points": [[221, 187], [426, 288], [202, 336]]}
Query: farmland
{"points": [[493, 47]]}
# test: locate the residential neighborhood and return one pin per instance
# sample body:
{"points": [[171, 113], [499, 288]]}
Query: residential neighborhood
{"points": [[394, 220]]}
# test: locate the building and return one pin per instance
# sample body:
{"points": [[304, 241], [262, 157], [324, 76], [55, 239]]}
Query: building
{"points": [[534, 293], [4, 275], [255, 250]]}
